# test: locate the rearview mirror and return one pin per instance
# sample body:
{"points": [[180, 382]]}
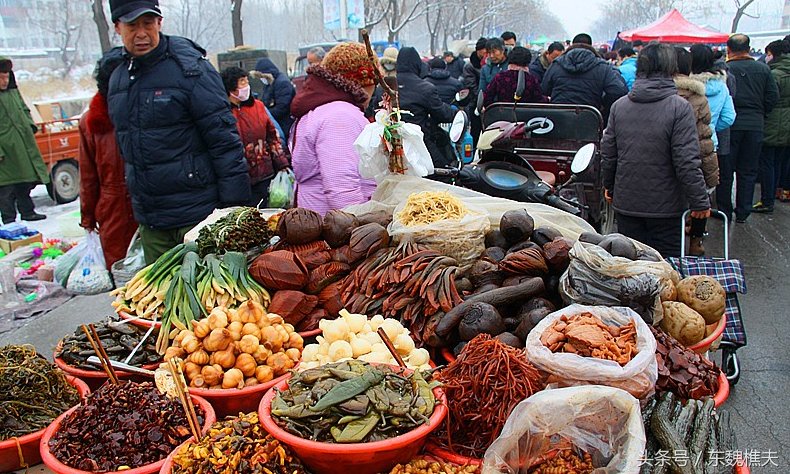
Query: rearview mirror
{"points": [[583, 158], [458, 127]]}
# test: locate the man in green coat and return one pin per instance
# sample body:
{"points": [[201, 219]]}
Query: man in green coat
{"points": [[21, 165]]}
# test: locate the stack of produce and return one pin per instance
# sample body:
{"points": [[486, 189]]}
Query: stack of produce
{"points": [[241, 230], [565, 461], [586, 335], [313, 255], [237, 348], [691, 435], [409, 282], [33, 392], [682, 371], [238, 445], [354, 336], [120, 427], [700, 303], [119, 339], [483, 385], [421, 465], [353, 402], [513, 284]]}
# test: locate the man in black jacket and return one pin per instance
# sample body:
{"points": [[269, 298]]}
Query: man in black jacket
{"points": [[455, 64], [540, 64], [183, 156], [471, 80], [580, 76], [427, 110], [756, 94], [278, 92], [439, 76]]}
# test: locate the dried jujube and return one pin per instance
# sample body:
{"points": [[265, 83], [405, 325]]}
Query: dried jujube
{"points": [[280, 270], [126, 425], [299, 226], [337, 227]]}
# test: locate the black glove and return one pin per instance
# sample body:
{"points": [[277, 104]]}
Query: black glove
{"points": [[35, 129]]}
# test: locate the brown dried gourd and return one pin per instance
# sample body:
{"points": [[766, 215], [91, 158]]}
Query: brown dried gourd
{"points": [[682, 323], [280, 270], [704, 295]]}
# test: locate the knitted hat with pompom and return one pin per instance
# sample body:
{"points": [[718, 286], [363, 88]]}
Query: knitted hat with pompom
{"points": [[351, 61]]}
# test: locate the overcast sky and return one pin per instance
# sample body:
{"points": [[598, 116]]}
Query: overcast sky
{"points": [[577, 16]]}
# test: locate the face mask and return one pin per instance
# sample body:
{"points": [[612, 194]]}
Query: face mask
{"points": [[508, 49], [244, 94]]}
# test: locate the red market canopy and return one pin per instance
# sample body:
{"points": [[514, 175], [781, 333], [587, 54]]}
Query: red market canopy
{"points": [[673, 28]]}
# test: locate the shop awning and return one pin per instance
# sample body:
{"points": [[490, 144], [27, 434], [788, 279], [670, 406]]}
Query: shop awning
{"points": [[673, 28]]}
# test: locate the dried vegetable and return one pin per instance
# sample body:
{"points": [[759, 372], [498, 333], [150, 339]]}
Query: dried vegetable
{"points": [[353, 402], [422, 465], [236, 445], [483, 385], [586, 335], [682, 371], [120, 340], [566, 461], [409, 282], [120, 427], [237, 348], [354, 336], [430, 206], [241, 230], [33, 392]]}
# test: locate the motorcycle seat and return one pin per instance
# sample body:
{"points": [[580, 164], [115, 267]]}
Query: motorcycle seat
{"points": [[547, 177]]}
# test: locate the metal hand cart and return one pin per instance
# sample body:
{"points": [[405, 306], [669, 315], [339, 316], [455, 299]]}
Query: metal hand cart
{"points": [[729, 273]]}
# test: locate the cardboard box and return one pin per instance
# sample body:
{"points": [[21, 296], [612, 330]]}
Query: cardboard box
{"points": [[9, 246]]}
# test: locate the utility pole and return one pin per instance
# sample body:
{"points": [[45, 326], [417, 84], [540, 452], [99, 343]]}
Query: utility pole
{"points": [[343, 19]]}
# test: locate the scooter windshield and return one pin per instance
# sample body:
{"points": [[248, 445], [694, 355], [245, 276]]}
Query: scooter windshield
{"points": [[505, 178]]}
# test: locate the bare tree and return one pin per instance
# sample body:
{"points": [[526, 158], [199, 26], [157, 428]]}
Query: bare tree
{"points": [[740, 12], [401, 13], [67, 27], [197, 20], [375, 12], [616, 17], [235, 22], [102, 27], [433, 20]]}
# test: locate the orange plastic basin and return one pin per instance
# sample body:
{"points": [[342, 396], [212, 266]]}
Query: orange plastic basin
{"points": [[59, 468], [9, 453], [96, 378], [447, 456], [232, 401], [356, 458], [702, 346], [723, 393]]}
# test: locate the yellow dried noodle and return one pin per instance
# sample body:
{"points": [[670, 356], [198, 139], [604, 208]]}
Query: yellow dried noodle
{"points": [[430, 206]]}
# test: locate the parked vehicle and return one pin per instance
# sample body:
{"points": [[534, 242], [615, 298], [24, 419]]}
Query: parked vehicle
{"points": [[59, 143]]}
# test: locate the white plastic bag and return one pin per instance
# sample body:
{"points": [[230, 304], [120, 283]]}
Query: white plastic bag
{"points": [[282, 190], [638, 377], [374, 158], [464, 239], [90, 275], [124, 270], [595, 277], [605, 422]]}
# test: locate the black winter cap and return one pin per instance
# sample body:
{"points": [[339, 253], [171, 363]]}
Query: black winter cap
{"points": [[127, 11], [6, 65]]}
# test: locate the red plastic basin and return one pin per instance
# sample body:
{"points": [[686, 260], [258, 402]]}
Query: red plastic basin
{"points": [[723, 393], [143, 323], [9, 452], [702, 346], [96, 378], [59, 468], [232, 401], [358, 458]]}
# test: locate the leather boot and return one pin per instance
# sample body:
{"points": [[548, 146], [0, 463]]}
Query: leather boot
{"points": [[696, 247]]}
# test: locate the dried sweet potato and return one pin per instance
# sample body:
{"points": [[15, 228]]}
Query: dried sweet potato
{"points": [[280, 270]]}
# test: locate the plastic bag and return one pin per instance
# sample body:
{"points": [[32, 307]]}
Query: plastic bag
{"points": [[124, 270], [90, 275], [282, 189], [66, 263], [373, 156], [464, 240], [595, 277], [638, 377], [605, 422]]}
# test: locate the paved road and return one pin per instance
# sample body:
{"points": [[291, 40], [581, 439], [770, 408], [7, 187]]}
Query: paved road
{"points": [[757, 402]]}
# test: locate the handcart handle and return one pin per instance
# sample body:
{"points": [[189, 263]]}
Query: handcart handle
{"points": [[683, 233]]}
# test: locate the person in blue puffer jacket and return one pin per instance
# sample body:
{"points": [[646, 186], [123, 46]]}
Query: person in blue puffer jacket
{"points": [[627, 66], [722, 109]]}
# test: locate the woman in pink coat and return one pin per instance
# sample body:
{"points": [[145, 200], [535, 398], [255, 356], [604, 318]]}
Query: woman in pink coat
{"points": [[329, 112]]}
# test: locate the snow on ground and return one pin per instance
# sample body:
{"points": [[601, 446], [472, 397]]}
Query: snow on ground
{"points": [[62, 220]]}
